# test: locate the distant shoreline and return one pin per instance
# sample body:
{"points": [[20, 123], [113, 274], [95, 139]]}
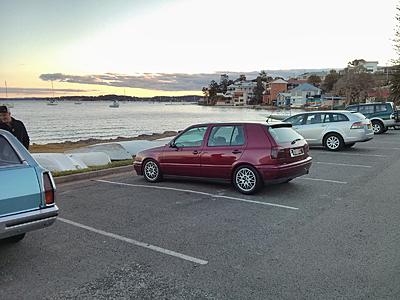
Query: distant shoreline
{"points": [[65, 146]]}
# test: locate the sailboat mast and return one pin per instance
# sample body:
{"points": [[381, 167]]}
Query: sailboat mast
{"points": [[5, 82], [52, 89]]}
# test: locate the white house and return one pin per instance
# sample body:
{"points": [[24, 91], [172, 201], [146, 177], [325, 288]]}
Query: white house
{"points": [[241, 92], [300, 94]]}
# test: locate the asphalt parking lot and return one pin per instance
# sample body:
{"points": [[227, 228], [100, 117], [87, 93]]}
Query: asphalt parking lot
{"points": [[334, 233]]}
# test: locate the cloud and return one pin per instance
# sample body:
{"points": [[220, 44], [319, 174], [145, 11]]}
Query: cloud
{"points": [[159, 81], [12, 90]]}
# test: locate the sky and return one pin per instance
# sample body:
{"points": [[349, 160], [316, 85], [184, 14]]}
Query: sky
{"points": [[174, 47]]}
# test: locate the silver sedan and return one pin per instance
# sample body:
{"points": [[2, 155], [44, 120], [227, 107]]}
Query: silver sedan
{"points": [[334, 130]]}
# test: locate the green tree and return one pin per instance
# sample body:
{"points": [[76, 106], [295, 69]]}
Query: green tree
{"points": [[330, 81], [395, 78], [314, 80], [258, 91], [354, 85]]}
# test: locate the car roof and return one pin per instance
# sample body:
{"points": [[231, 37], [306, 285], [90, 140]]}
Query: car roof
{"points": [[358, 104], [237, 123], [321, 111]]}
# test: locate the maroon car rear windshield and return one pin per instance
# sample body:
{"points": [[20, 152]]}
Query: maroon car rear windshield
{"points": [[283, 135]]}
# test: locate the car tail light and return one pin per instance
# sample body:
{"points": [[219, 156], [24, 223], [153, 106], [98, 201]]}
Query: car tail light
{"points": [[358, 125], [48, 189], [277, 152]]}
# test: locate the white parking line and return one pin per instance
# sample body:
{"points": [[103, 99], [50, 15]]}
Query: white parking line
{"points": [[197, 192], [352, 154], [136, 243], [338, 164], [386, 148], [323, 180]]}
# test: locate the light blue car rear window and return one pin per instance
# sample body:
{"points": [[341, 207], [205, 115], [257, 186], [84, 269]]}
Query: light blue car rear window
{"points": [[7, 153]]}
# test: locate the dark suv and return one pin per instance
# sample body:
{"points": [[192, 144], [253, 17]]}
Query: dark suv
{"points": [[383, 115]]}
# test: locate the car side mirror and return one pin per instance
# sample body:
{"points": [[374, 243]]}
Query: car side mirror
{"points": [[172, 145]]}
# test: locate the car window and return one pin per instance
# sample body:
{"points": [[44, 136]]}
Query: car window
{"points": [[7, 153], [352, 108], [238, 138], [295, 120], [381, 108], [366, 109], [335, 118], [314, 119], [191, 138], [220, 136], [284, 134]]}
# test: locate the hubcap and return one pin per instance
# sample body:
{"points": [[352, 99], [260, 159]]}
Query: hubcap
{"points": [[151, 170], [376, 127], [332, 142], [246, 179]]}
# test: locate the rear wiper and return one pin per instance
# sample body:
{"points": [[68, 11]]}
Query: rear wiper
{"points": [[294, 141]]}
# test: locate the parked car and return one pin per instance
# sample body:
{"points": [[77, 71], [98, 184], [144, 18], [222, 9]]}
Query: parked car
{"points": [[26, 191], [334, 130], [248, 154], [382, 115]]}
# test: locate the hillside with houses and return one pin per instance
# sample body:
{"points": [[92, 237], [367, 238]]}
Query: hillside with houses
{"points": [[360, 81]]}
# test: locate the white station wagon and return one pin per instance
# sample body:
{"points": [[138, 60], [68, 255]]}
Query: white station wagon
{"points": [[334, 130]]}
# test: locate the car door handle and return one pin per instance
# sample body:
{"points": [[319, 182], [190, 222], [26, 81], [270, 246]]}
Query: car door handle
{"points": [[236, 151], [196, 152]]}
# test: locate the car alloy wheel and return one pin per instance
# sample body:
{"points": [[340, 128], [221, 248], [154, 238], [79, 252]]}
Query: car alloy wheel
{"points": [[377, 127], [151, 171], [333, 142], [246, 180]]}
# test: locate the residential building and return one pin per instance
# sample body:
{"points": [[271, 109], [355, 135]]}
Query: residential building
{"points": [[300, 94], [273, 89], [238, 94], [370, 66]]}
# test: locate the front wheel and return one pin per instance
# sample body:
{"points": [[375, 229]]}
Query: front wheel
{"points": [[246, 180], [333, 142], [151, 171]]}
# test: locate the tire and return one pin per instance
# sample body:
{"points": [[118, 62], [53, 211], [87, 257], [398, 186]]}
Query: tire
{"points": [[333, 142], [386, 129], [247, 180], [15, 238], [151, 171], [349, 145], [377, 127]]}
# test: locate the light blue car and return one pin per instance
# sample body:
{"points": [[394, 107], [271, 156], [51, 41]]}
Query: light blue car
{"points": [[26, 191]]}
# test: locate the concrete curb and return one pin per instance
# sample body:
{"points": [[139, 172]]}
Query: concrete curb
{"points": [[93, 174]]}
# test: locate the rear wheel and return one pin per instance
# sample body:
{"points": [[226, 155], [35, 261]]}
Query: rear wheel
{"points": [[151, 171], [15, 238], [377, 127], [333, 142], [246, 180]]}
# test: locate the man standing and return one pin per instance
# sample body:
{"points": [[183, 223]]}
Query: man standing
{"points": [[16, 127]]}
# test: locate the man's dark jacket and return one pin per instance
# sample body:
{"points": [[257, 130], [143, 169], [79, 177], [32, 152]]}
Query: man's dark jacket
{"points": [[17, 128]]}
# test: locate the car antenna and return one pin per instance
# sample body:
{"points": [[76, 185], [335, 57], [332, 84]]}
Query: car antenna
{"points": [[268, 118]]}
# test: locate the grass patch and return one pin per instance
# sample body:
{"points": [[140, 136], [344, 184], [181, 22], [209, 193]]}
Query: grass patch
{"points": [[114, 164]]}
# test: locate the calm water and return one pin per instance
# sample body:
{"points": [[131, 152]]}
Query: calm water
{"points": [[71, 122]]}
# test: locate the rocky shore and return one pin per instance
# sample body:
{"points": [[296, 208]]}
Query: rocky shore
{"points": [[61, 147]]}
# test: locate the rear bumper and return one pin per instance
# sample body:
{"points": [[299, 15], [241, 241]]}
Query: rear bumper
{"points": [[284, 172], [29, 221], [360, 136]]}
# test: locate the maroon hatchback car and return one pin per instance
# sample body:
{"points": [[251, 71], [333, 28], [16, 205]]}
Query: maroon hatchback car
{"points": [[248, 154]]}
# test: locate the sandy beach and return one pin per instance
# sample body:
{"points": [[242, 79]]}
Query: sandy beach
{"points": [[61, 147]]}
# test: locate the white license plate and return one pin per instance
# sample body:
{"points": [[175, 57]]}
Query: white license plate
{"points": [[296, 152]]}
